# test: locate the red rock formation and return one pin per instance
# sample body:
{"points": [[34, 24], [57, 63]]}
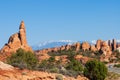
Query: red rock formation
{"points": [[110, 44], [67, 47], [62, 48], [105, 48], [98, 44], [77, 46], [82, 59], [16, 41], [93, 48], [22, 33], [114, 44], [85, 46]]}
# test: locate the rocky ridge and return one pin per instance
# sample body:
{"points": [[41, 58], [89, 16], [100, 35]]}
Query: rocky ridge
{"points": [[104, 47]]}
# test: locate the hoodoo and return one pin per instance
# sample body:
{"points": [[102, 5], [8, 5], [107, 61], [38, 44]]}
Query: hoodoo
{"points": [[16, 41]]}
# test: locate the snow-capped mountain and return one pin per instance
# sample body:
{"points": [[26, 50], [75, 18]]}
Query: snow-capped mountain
{"points": [[51, 44]]}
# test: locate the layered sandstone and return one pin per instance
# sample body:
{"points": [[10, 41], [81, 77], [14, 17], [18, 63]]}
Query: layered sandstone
{"points": [[16, 41]]}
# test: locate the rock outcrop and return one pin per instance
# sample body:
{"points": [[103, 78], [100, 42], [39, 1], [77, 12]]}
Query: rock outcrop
{"points": [[85, 46], [16, 41], [114, 45], [93, 48], [98, 44], [105, 48], [4, 66], [77, 46]]}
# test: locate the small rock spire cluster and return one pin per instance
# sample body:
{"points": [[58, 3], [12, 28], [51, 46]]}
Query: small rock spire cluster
{"points": [[17, 40]]}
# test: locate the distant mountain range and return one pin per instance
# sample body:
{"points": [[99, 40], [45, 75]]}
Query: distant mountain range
{"points": [[52, 44]]}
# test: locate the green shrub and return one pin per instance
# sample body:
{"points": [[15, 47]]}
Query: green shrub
{"points": [[51, 59], [74, 68], [95, 70], [117, 65], [74, 65], [54, 70], [23, 59], [48, 65]]}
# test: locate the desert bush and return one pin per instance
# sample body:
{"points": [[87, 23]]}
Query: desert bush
{"points": [[23, 59], [95, 70], [59, 77], [54, 70], [74, 65], [112, 76], [117, 65], [74, 68]]}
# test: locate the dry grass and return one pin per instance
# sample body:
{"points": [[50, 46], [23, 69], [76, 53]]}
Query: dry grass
{"points": [[113, 76]]}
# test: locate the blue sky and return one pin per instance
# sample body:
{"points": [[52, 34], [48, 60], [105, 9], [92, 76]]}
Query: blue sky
{"points": [[45, 20]]}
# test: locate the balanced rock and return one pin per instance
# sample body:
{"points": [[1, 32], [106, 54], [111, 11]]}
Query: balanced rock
{"points": [[16, 41]]}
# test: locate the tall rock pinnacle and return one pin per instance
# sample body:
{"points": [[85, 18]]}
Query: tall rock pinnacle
{"points": [[17, 40], [22, 33], [22, 25]]}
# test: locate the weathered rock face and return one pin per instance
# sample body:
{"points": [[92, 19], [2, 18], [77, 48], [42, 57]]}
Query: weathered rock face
{"points": [[22, 33], [16, 41], [67, 47], [114, 44], [62, 48], [85, 46], [105, 48], [77, 46], [93, 48], [98, 44], [110, 44]]}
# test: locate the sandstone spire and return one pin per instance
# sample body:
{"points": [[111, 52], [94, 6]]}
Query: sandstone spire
{"points": [[17, 40], [98, 44], [22, 33], [114, 44], [22, 25]]}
